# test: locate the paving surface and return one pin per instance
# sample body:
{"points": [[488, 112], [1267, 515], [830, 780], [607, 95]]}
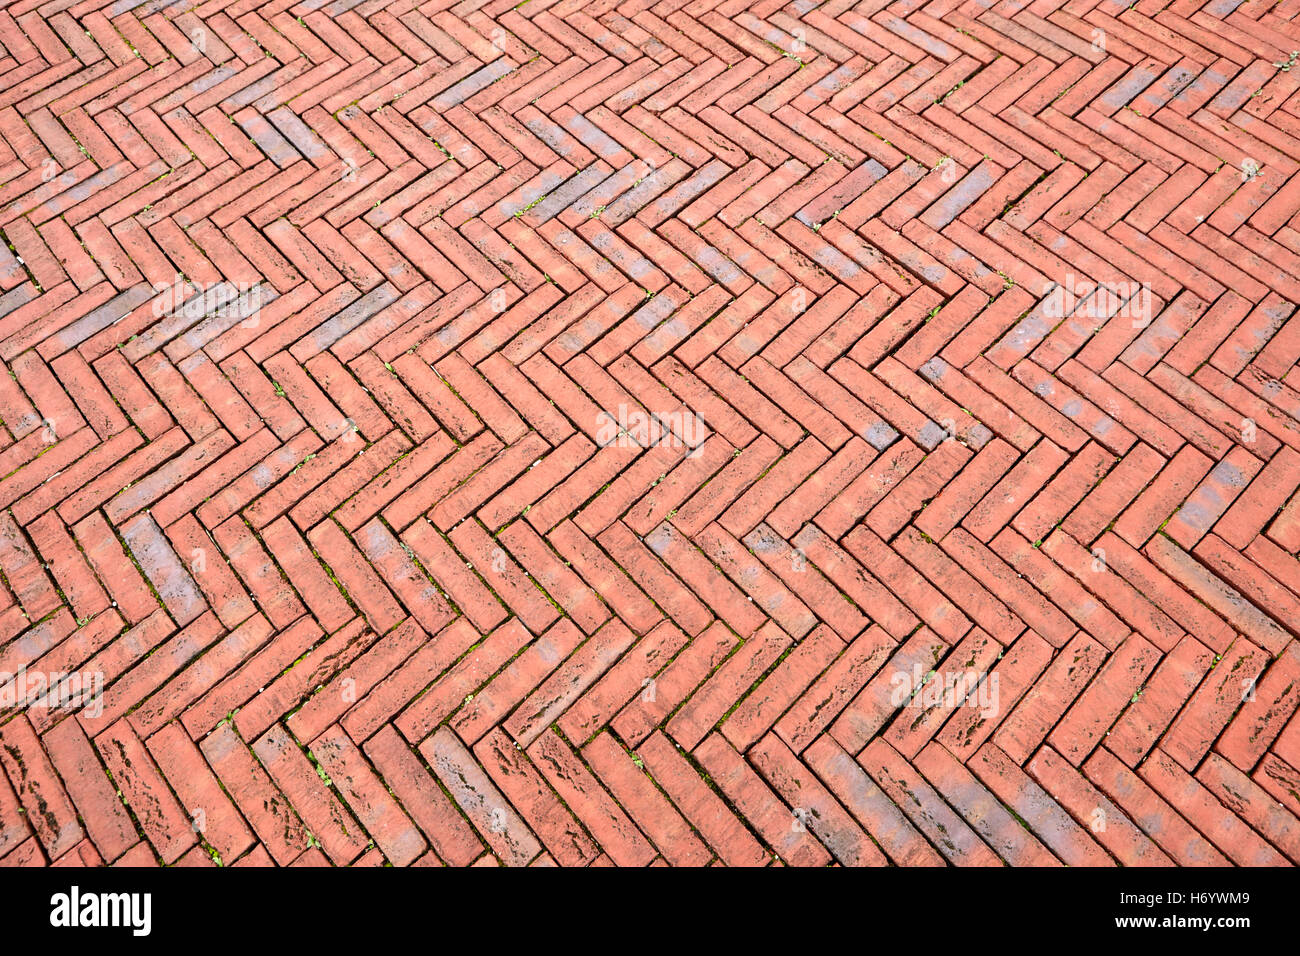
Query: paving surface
{"points": [[649, 433]]}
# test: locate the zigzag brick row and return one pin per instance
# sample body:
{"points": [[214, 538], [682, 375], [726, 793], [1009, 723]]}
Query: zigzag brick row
{"points": [[660, 432]]}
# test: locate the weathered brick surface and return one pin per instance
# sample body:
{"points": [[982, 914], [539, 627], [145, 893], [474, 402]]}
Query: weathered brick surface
{"points": [[588, 432]]}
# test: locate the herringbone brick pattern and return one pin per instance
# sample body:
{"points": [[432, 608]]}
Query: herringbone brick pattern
{"points": [[652, 432]]}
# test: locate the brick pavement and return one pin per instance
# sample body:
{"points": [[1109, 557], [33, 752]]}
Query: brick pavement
{"points": [[649, 433]]}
